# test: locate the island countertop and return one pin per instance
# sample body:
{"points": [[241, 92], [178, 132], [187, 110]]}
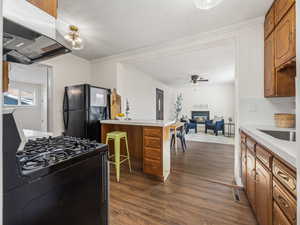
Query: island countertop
{"points": [[151, 123]]}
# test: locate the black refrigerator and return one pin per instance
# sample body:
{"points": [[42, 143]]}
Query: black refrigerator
{"points": [[84, 106]]}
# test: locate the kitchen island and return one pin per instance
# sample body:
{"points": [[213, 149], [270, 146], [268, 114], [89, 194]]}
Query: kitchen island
{"points": [[149, 144]]}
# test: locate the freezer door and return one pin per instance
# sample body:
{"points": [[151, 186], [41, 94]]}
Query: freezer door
{"points": [[76, 97], [77, 123], [98, 97]]}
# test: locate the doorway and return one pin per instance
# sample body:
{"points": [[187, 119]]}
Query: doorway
{"points": [[159, 104]]}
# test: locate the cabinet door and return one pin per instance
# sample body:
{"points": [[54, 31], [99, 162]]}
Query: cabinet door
{"points": [[269, 22], [285, 39], [263, 194], [250, 190], [279, 217], [49, 6], [269, 67], [5, 76], [244, 164], [281, 7]]}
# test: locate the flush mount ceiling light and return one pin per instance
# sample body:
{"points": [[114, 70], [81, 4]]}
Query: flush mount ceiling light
{"points": [[207, 4], [73, 38]]}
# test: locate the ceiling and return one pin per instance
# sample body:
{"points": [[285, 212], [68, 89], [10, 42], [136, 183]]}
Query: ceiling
{"points": [[214, 63], [115, 26]]}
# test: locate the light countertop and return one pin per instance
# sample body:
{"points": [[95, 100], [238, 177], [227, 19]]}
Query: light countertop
{"points": [[287, 150], [154, 123]]}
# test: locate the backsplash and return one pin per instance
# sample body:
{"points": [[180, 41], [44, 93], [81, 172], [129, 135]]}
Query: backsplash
{"points": [[262, 110]]}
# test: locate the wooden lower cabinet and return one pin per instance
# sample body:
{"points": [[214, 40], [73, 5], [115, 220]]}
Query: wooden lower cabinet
{"points": [[270, 184], [250, 180], [263, 194], [279, 217]]}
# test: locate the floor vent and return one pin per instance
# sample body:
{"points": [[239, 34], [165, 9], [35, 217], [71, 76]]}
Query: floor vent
{"points": [[236, 194]]}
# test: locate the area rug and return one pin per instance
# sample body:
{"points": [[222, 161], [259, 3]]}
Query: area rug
{"points": [[210, 138]]}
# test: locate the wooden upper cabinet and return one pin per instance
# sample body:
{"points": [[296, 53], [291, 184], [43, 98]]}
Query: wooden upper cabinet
{"points": [[285, 38], [269, 81], [251, 175], [5, 76], [269, 22], [49, 6], [281, 7], [263, 194]]}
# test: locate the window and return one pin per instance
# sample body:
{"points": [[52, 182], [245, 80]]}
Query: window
{"points": [[16, 97]]}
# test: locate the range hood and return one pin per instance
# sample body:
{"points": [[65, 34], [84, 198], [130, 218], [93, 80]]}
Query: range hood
{"points": [[23, 45]]}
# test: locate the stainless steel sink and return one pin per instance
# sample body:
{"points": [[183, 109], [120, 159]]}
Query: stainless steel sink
{"points": [[282, 135]]}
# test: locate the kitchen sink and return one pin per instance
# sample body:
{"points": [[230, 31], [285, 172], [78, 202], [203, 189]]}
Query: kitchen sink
{"points": [[282, 135]]}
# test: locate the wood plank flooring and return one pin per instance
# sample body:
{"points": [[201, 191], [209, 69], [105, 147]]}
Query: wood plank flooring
{"points": [[186, 198]]}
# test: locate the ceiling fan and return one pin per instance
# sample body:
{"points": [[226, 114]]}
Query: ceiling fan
{"points": [[195, 79]]}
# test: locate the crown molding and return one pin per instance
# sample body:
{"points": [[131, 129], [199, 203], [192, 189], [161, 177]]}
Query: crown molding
{"points": [[202, 40]]}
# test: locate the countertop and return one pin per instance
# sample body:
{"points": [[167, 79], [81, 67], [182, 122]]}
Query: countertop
{"points": [[287, 150], [154, 123]]}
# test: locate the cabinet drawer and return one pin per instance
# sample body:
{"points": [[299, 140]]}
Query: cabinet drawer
{"points": [[281, 7], [152, 142], [285, 201], [152, 167], [250, 144], [269, 22], [279, 217], [152, 132], [264, 156], [152, 153], [243, 137], [285, 175]]}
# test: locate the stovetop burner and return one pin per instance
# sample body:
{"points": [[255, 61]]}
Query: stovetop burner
{"points": [[44, 152]]}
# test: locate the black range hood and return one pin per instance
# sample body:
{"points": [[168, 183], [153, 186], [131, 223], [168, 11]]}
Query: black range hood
{"points": [[23, 45]]}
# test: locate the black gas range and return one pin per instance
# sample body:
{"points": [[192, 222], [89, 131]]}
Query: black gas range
{"points": [[55, 180]]}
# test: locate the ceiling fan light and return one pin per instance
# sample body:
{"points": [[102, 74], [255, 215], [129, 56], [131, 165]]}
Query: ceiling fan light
{"points": [[206, 4]]}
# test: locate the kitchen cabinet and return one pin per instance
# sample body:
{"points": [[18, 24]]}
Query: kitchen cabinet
{"points": [[285, 38], [269, 22], [5, 76], [279, 217], [270, 184], [49, 6], [280, 50], [263, 194], [270, 79], [250, 179], [281, 7]]}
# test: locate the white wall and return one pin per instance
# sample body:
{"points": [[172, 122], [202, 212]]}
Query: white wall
{"points": [[67, 70], [140, 90], [104, 74], [219, 99]]}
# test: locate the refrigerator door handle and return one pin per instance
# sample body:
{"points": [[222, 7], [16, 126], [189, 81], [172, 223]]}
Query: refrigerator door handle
{"points": [[66, 110]]}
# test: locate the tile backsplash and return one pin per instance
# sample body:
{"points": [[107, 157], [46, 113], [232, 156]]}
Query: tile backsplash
{"points": [[262, 110]]}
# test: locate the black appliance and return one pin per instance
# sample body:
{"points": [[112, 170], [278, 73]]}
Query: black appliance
{"points": [[84, 106], [53, 181], [23, 45]]}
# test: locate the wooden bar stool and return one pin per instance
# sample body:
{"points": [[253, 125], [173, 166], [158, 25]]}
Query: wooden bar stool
{"points": [[117, 136]]}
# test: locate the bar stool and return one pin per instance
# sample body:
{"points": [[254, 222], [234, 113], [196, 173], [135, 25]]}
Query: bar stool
{"points": [[117, 136]]}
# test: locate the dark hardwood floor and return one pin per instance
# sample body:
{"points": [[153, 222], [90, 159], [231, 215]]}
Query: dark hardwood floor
{"points": [[186, 198]]}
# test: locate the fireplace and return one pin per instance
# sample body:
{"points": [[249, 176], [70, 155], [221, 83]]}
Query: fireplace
{"points": [[200, 116]]}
